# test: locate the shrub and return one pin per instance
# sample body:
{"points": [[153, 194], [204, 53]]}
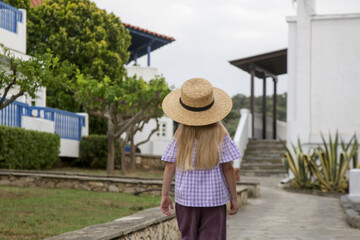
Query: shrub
{"points": [[326, 167], [27, 149], [93, 152]]}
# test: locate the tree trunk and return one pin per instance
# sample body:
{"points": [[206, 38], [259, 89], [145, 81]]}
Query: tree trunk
{"points": [[111, 149], [132, 149], [123, 157]]}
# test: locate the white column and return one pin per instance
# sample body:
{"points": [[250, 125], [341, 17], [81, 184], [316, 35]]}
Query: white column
{"points": [[354, 184], [305, 9]]}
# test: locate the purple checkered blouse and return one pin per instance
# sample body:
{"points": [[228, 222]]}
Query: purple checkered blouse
{"points": [[202, 188]]}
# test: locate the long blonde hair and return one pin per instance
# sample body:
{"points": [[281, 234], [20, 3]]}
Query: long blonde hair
{"points": [[208, 139]]}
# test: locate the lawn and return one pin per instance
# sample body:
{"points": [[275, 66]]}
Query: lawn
{"points": [[37, 213]]}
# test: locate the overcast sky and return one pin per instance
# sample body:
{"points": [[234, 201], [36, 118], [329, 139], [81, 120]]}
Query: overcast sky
{"points": [[209, 33]]}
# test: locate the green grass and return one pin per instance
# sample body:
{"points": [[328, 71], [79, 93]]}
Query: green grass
{"points": [[36, 213]]}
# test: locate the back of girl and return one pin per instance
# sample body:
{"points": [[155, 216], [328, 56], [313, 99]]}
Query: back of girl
{"points": [[200, 156]]}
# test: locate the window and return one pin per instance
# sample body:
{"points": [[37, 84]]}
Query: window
{"points": [[162, 130]]}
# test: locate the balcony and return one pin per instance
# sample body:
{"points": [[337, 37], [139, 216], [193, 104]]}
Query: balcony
{"points": [[13, 29], [9, 17]]}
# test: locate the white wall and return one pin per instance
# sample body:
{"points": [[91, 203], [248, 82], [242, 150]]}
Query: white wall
{"points": [[69, 148], [323, 75], [37, 124], [15, 41], [280, 128], [85, 129], [335, 75], [39, 100], [158, 140], [147, 73]]}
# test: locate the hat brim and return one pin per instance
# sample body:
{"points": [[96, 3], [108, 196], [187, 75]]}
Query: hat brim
{"points": [[221, 108]]}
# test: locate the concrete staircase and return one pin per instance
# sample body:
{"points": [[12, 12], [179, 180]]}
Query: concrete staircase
{"points": [[262, 158]]}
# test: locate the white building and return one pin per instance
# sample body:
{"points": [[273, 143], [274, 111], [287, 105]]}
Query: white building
{"points": [[323, 74], [30, 113], [159, 140], [143, 42], [323, 80]]}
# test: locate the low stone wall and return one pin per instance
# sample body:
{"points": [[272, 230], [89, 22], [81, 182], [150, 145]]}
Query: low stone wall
{"points": [[252, 188], [352, 210], [146, 161], [83, 182], [148, 224]]}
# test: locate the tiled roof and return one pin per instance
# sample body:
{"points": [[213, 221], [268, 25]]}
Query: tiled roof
{"points": [[35, 3], [148, 32]]}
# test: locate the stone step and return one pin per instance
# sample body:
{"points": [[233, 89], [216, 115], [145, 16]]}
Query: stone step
{"points": [[263, 173], [264, 154], [275, 166], [265, 150], [267, 163], [254, 141], [262, 159], [265, 147]]}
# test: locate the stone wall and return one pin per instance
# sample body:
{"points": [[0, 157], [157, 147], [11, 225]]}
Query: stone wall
{"points": [[164, 230], [146, 161], [351, 206], [83, 182], [149, 224]]}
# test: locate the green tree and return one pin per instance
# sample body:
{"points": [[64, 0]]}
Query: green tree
{"points": [[24, 4], [78, 31], [19, 77], [153, 113], [123, 103]]}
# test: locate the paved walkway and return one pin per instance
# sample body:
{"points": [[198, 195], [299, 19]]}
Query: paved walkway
{"points": [[279, 214]]}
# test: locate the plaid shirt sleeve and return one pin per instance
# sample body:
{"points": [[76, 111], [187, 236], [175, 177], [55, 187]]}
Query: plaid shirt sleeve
{"points": [[170, 152], [230, 150]]}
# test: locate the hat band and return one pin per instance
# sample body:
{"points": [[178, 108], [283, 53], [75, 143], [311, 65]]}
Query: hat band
{"points": [[197, 109]]}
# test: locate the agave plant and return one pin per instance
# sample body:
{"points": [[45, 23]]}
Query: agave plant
{"points": [[298, 163], [330, 171], [354, 151]]}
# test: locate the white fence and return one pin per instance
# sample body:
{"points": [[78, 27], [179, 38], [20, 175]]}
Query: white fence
{"points": [[243, 131]]}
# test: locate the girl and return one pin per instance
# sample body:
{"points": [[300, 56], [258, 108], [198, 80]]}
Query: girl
{"points": [[201, 154]]}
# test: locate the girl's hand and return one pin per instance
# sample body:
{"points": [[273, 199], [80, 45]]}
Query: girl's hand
{"points": [[165, 203], [234, 207]]}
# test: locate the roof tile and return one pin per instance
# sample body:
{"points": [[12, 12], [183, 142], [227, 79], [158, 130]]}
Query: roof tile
{"points": [[148, 32]]}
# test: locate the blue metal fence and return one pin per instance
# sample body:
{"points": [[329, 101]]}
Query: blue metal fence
{"points": [[9, 17], [11, 115], [67, 124]]}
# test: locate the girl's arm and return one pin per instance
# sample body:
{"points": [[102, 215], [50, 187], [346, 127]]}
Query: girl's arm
{"points": [[165, 196], [229, 175]]}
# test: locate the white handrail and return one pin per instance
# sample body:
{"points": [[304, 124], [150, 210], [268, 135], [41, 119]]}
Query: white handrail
{"points": [[241, 137]]}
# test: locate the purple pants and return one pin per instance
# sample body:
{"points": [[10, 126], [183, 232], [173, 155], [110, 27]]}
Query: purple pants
{"points": [[201, 223]]}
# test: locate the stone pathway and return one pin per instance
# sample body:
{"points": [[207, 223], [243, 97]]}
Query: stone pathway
{"points": [[282, 215]]}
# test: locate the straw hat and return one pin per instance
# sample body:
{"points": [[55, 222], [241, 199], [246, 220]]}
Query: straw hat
{"points": [[197, 103]]}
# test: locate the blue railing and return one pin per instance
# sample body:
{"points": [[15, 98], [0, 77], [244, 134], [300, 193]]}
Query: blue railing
{"points": [[9, 17], [11, 115], [67, 124]]}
